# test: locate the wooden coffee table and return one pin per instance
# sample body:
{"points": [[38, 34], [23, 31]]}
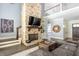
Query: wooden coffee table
{"points": [[45, 44]]}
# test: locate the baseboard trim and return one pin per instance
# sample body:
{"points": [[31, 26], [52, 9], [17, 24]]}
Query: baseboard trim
{"points": [[7, 42], [1, 38], [68, 38], [58, 38]]}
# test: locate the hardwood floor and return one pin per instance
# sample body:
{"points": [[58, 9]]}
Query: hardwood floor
{"points": [[11, 50], [14, 49]]}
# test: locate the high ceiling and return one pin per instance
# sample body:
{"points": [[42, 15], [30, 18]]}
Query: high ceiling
{"points": [[50, 5], [72, 14], [70, 11]]}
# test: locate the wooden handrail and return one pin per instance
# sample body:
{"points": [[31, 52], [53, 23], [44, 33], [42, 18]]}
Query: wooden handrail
{"points": [[17, 36]]}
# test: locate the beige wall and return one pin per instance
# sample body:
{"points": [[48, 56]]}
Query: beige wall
{"points": [[68, 27], [65, 28]]}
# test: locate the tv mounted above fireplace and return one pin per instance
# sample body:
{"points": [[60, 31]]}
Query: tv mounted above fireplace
{"points": [[34, 21]]}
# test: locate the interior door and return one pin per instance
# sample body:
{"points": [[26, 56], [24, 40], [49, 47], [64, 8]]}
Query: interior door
{"points": [[75, 32]]}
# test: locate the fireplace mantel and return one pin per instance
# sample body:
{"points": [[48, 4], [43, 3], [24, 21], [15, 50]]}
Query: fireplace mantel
{"points": [[34, 27]]}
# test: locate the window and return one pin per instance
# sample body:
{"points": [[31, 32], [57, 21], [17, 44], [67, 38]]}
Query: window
{"points": [[75, 25], [49, 29]]}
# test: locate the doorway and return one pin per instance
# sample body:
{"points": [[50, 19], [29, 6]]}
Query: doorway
{"points": [[75, 32]]}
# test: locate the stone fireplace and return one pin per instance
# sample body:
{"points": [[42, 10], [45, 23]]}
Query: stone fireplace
{"points": [[30, 34]]}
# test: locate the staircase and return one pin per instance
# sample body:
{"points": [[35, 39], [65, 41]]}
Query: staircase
{"points": [[9, 43]]}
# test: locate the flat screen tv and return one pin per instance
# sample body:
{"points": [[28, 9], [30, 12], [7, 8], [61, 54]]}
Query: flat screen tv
{"points": [[34, 21]]}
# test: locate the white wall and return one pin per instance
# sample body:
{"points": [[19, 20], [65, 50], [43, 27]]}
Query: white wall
{"points": [[60, 35], [50, 5], [58, 21], [10, 11], [69, 5], [51, 8]]}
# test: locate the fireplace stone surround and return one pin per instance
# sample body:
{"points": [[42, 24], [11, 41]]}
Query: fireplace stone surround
{"points": [[30, 10]]}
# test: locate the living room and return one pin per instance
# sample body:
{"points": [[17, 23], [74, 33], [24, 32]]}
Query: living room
{"points": [[38, 29]]}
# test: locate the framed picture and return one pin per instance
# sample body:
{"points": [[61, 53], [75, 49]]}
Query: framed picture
{"points": [[7, 25]]}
